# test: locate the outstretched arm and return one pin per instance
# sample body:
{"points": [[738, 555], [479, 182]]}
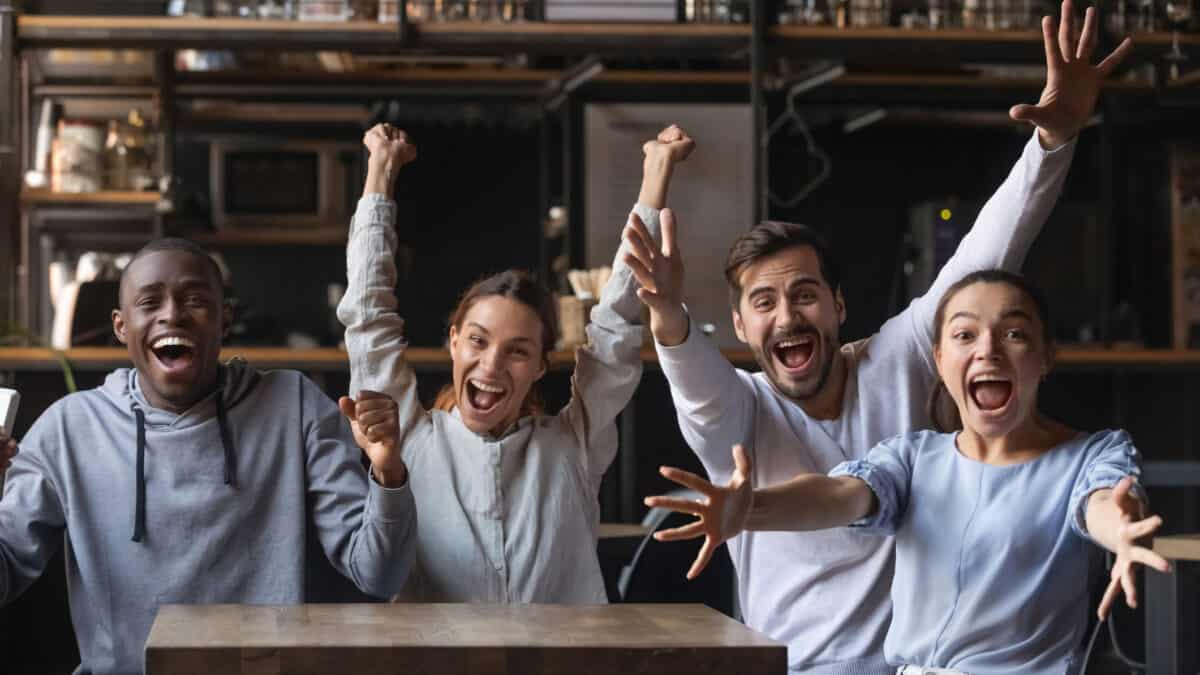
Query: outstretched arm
{"points": [[806, 502]]}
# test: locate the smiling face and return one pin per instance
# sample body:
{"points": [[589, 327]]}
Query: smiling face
{"points": [[789, 317], [497, 354], [992, 356], [171, 320]]}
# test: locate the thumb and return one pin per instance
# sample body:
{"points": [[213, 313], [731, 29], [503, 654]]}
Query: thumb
{"points": [[667, 219], [1026, 113], [653, 300], [367, 394], [1121, 490], [741, 461], [346, 405]]}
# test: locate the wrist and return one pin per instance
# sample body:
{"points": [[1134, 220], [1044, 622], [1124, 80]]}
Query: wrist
{"points": [[390, 477], [1051, 141], [670, 327]]}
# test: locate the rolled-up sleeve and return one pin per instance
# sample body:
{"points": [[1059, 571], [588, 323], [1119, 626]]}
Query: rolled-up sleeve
{"points": [[887, 470], [1111, 455]]}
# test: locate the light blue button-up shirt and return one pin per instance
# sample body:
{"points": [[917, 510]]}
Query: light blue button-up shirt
{"points": [[992, 562]]}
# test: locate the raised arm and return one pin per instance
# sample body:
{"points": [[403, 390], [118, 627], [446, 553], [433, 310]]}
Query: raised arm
{"points": [[806, 502], [1013, 217], [609, 367], [366, 526], [714, 405], [374, 330]]}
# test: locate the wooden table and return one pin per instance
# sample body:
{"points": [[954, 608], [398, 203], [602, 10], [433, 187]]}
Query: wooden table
{"points": [[447, 639], [1172, 615]]}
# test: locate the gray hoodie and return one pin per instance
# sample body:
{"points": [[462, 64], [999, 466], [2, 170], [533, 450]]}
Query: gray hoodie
{"points": [[219, 515]]}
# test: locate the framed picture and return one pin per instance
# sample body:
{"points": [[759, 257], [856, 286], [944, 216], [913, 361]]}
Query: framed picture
{"points": [[1185, 245]]}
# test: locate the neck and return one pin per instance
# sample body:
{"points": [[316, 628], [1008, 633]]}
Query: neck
{"points": [[826, 404], [1029, 440], [177, 406]]}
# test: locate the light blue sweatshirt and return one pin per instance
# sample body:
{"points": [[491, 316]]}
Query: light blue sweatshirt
{"points": [[992, 562], [223, 520]]}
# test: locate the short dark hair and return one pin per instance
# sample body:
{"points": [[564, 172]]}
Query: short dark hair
{"points": [[178, 244], [770, 237]]}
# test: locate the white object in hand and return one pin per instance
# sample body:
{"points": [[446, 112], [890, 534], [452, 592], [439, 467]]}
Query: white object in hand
{"points": [[9, 400]]}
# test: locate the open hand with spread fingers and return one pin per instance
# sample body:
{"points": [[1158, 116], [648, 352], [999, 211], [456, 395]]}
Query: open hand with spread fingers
{"points": [[721, 511], [1072, 82], [374, 419], [659, 271], [1129, 552]]}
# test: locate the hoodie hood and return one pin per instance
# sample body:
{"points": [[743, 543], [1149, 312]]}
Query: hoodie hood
{"points": [[234, 382]]}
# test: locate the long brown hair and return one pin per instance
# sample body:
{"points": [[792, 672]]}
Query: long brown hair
{"points": [[940, 407], [520, 286]]}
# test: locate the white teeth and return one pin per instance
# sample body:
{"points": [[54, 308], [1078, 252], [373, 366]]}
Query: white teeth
{"points": [[487, 387], [795, 342], [173, 341], [989, 378]]}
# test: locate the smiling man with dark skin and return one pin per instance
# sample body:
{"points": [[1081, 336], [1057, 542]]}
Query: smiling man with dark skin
{"points": [[179, 481]]}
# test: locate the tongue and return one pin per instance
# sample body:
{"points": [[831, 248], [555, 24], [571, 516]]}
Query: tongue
{"points": [[794, 357], [485, 399], [175, 359], [992, 395]]}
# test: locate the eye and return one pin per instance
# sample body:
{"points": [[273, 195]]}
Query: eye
{"points": [[763, 304], [196, 300], [807, 297], [520, 352], [149, 302], [1014, 334], [962, 335], [477, 341]]}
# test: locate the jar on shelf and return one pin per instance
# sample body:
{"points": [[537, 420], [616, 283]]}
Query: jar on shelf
{"points": [[76, 157]]}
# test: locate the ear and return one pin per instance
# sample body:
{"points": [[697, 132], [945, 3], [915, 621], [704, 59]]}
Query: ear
{"points": [[541, 368], [453, 338], [839, 303], [937, 360], [738, 328], [118, 321]]}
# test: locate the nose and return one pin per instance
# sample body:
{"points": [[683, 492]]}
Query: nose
{"points": [[171, 312], [492, 360], [989, 347]]}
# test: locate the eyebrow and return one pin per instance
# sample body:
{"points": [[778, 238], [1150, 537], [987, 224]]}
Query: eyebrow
{"points": [[802, 281], [481, 329], [1008, 314]]}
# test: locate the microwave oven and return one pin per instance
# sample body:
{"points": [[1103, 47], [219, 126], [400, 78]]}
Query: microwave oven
{"points": [[270, 184]]}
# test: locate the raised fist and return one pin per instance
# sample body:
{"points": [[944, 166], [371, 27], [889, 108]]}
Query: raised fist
{"points": [[389, 146], [672, 145]]}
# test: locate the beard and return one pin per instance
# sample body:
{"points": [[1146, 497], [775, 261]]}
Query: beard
{"points": [[808, 386]]}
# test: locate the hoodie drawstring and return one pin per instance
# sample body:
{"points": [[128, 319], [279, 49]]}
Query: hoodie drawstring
{"points": [[226, 441], [139, 516]]}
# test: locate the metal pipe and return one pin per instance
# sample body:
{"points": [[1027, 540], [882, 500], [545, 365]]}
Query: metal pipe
{"points": [[759, 153]]}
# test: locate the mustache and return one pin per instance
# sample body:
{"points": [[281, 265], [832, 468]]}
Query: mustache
{"points": [[792, 334]]}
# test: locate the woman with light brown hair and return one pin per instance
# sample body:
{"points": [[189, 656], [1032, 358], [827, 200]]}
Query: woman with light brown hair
{"points": [[507, 495]]}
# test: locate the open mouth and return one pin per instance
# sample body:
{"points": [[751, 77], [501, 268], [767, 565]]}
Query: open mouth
{"points": [[990, 392], [485, 397], [795, 353], [174, 353]]}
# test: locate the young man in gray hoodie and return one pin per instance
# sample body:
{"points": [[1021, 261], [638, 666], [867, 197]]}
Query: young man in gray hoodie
{"points": [[183, 480]]}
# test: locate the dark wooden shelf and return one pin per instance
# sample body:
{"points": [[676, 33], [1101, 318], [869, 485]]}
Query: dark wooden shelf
{"points": [[216, 33], [105, 197], [432, 358], [276, 237]]}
